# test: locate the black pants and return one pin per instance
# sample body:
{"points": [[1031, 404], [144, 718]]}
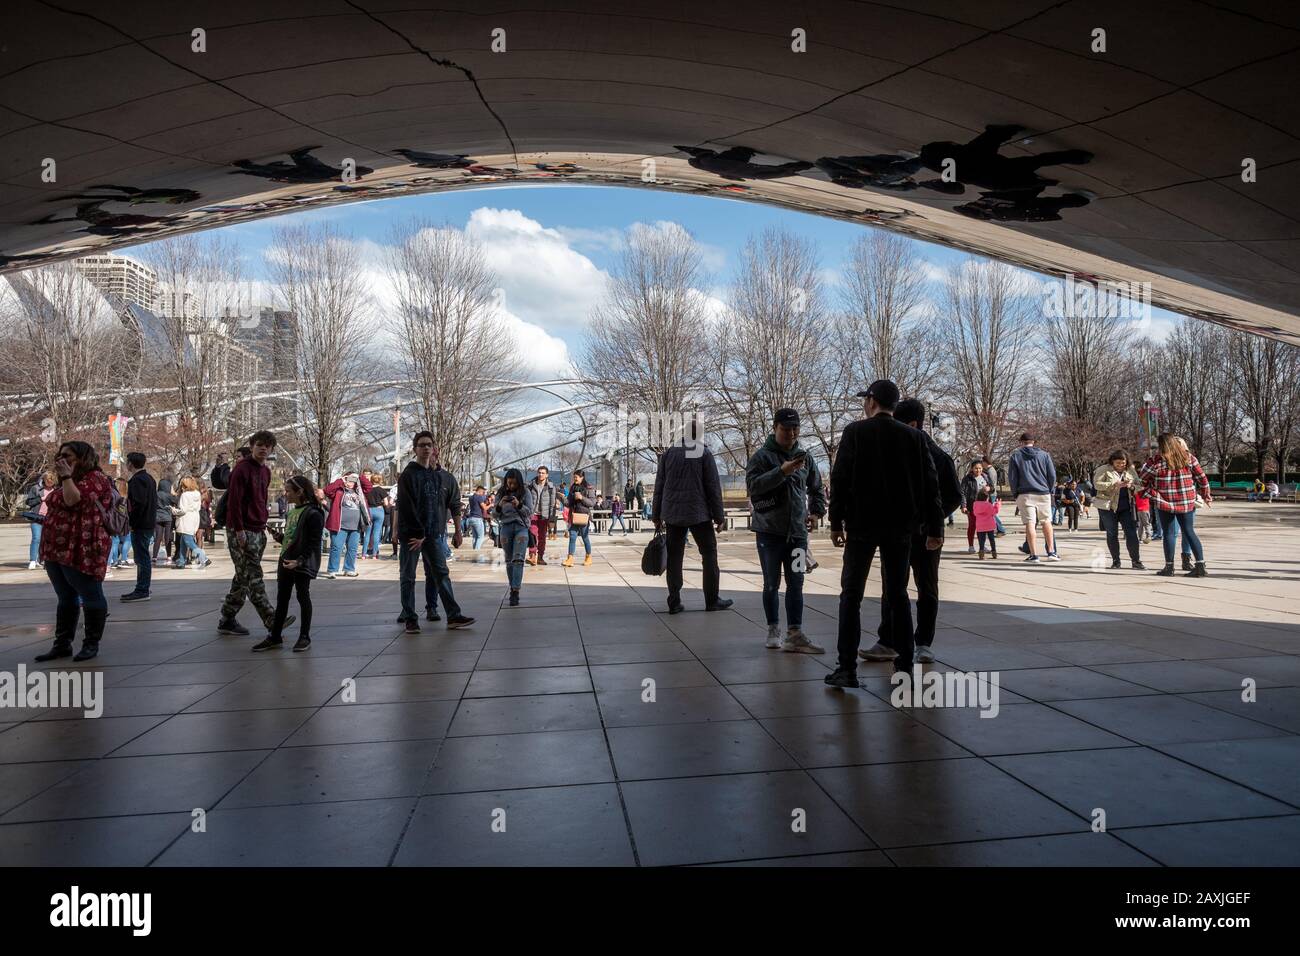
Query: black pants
{"points": [[925, 575], [1110, 522], [162, 538], [894, 556], [707, 541], [1072, 517], [285, 584]]}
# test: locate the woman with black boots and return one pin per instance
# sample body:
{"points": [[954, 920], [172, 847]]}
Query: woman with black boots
{"points": [[300, 551], [74, 548], [1173, 479], [514, 510]]}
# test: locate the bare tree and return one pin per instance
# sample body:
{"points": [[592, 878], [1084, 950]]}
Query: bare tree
{"points": [[1286, 429], [318, 276], [1184, 373], [1224, 412], [647, 346], [1258, 363], [200, 278], [986, 323], [769, 349], [453, 344], [1089, 364]]}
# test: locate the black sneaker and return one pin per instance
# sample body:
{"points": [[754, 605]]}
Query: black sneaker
{"points": [[431, 614], [842, 677], [676, 608], [1137, 566], [412, 627], [514, 598], [134, 596], [458, 621], [721, 605], [1167, 571], [1024, 548], [268, 644], [232, 627], [302, 644], [1115, 565]]}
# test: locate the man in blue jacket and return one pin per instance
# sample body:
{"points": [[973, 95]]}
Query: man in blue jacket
{"points": [[1032, 477]]}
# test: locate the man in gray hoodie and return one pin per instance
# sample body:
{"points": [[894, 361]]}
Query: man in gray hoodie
{"points": [[785, 491], [1032, 477]]}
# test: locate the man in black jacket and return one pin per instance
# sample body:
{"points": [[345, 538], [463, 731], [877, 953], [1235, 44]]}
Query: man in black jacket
{"points": [[142, 506], [688, 498], [426, 495], [884, 489], [924, 562]]}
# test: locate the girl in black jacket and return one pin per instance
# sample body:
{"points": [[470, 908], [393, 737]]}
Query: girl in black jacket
{"points": [[300, 550]]}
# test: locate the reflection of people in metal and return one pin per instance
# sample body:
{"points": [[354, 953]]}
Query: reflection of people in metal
{"points": [[435, 160], [978, 162], [882, 171], [305, 168], [114, 225], [1018, 205], [133, 196], [734, 163]]}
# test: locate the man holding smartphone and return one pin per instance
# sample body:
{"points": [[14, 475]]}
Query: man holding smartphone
{"points": [[785, 491]]}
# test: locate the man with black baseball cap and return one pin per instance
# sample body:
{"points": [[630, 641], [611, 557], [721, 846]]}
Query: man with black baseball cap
{"points": [[785, 492], [884, 489]]}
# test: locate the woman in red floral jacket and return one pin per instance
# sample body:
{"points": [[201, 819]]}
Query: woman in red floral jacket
{"points": [[75, 546], [1172, 479]]}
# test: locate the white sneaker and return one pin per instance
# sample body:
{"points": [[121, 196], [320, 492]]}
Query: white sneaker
{"points": [[924, 655], [352, 574], [773, 636], [1053, 556], [796, 642], [330, 575], [878, 652], [32, 565], [970, 550]]}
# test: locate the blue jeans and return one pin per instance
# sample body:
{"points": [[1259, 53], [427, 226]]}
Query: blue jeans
{"points": [[1170, 523], [435, 572], [34, 550], [187, 549], [776, 553], [117, 552], [141, 548], [476, 532], [583, 532], [72, 587], [514, 542], [374, 534], [619, 519], [344, 539]]}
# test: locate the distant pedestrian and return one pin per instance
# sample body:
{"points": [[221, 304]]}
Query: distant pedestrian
{"points": [[578, 514], [188, 508], [1117, 487], [246, 514], [427, 496], [545, 497], [1173, 478], [300, 551], [514, 510], [986, 512], [616, 514], [35, 512], [143, 505]]}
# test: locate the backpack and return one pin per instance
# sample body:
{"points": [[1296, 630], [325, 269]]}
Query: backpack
{"points": [[116, 517], [220, 477]]}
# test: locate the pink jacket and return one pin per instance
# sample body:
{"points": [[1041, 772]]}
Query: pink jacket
{"points": [[985, 512]]}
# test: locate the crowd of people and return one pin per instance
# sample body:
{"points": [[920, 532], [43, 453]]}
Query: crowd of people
{"points": [[891, 489]]}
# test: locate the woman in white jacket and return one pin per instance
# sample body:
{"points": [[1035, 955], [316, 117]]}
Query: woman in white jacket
{"points": [[187, 525]]}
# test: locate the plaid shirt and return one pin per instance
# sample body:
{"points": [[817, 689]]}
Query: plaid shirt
{"points": [[1174, 490]]}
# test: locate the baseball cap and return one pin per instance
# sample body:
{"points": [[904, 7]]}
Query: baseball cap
{"points": [[883, 391], [786, 416]]}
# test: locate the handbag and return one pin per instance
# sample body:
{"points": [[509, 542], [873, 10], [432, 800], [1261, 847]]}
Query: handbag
{"points": [[33, 515], [654, 559], [578, 519]]}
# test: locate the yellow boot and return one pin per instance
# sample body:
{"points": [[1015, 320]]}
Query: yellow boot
{"points": [[586, 562], [568, 562]]}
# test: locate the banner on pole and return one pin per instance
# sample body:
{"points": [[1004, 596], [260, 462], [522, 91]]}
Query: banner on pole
{"points": [[1148, 427], [116, 433]]}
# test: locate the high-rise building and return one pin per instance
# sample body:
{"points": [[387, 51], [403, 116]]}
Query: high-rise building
{"points": [[121, 280]]}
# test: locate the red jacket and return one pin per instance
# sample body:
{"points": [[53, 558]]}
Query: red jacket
{"points": [[246, 496], [334, 492], [1172, 490]]}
